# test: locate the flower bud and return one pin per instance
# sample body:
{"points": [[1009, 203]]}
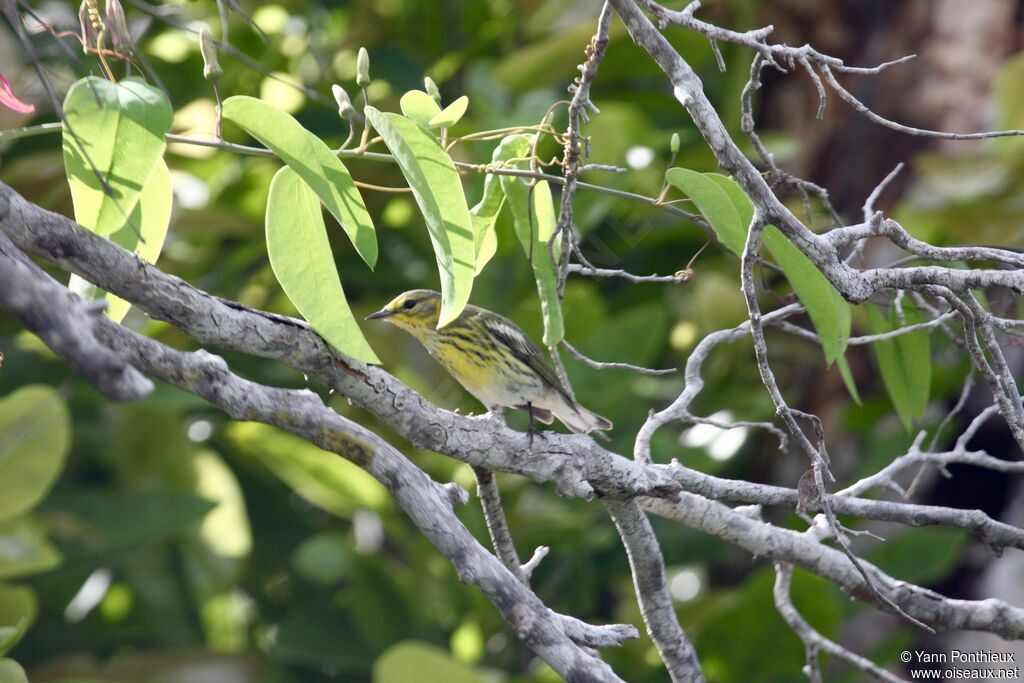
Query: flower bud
{"points": [[363, 68], [345, 108], [673, 145], [91, 23], [208, 49], [117, 25], [432, 89]]}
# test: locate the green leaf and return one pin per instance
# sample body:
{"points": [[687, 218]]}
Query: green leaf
{"points": [[110, 522], [922, 556], [10, 670], [904, 362], [301, 257], [324, 558], [828, 310], [484, 216], [325, 479], [150, 218], [415, 661], [437, 188], [18, 609], [451, 114], [308, 156], [533, 217], [419, 106], [715, 204], [225, 530], [826, 307], [847, 375], [121, 127], [25, 549], [35, 434]]}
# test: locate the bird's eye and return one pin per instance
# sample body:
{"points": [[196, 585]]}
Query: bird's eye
{"points": [[409, 304]]}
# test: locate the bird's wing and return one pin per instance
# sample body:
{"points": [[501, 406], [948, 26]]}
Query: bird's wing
{"points": [[523, 348]]}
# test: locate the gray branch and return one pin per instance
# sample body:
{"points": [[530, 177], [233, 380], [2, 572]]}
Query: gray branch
{"points": [[813, 641], [770, 542], [648, 567], [577, 465], [65, 324]]}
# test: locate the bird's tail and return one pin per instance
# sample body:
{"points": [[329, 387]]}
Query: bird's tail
{"points": [[580, 420]]}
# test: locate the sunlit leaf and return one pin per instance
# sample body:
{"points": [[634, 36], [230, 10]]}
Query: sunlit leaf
{"points": [[485, 215], [18, 609], [533, 218], [308, 156], [419, 106], [715, 204], [150, 219], [437, 188], [10, 670], [121, 128], [451, 114], [35, 434], [226, 528], [25, 549], [301, 257], [325, 479], [421, 662]]}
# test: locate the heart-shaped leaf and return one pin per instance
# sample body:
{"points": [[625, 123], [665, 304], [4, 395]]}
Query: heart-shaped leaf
{"points": [[451, 114], [116, 129]]}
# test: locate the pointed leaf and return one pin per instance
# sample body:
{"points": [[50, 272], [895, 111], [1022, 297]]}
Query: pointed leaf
{"points": [[18, 609], [533, 217], [485, 215], [904, 362], [714, 204], [826, 307], [828, 310], [847, 375], [301, 257], [150, 218], [35, 434], [419, 106], [451, 114], [25, 549], [121, 127], [308, 156], [437, 188]]}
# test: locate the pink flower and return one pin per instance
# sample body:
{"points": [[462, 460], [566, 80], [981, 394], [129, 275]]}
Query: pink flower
{"points": [[8, 99]]}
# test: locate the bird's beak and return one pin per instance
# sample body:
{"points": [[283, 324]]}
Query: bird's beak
{"points": [[382, 313]]}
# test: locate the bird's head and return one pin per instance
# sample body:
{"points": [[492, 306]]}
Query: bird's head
{"points": [[416, 311]]}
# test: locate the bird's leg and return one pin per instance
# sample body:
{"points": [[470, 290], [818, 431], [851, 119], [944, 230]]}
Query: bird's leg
{"points": [[532, 430]]}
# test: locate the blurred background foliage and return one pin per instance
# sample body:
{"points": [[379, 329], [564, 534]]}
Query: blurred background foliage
{"points": [[158, 541]]}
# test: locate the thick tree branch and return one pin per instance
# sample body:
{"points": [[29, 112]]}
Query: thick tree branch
{"points": [[64, 323], [576, 464], [648, 568]]}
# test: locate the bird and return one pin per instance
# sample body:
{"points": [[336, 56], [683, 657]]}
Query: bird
{"points": [[492, 358]]}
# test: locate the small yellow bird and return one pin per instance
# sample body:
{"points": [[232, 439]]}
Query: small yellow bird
{"points": [[491, 358]]}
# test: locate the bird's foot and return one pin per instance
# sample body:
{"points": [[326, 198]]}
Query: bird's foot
{"points": [[533, 430]]}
